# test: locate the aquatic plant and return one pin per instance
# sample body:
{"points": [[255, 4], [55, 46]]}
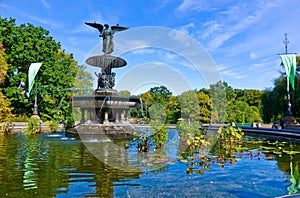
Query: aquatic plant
{"points": [[228, 142], [53, 124], [191, 137], [196, 154], [295, 179], [33, 126], [6, 128], [159, 133]]}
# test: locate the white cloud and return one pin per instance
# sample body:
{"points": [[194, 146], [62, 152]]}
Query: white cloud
{"points": [[45, 4], [185, 28], [232, 72], [252, 55], [196, 5], [144, 51], [209, 28], [5, 6], [50, 23]]}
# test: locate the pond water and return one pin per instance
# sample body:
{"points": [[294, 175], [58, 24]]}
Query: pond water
{"points": [[51, 165]]}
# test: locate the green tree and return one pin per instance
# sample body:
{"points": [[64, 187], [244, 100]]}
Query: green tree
{"points": [[5, 111], [160, 94], [245, 107], [274, 101], [143, 111], [55, 94], [204, 106], [26, 44], [124, 93], [83, 83], [218, 98], [237, 111], [173, 110], [189, 106], [250, 96], [158, 124]]}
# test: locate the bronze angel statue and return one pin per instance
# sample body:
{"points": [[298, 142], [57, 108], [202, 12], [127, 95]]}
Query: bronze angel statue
{"points": [[107, 34]]}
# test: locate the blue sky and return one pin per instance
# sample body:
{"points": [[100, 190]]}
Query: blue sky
{"points": [[242, 38]]}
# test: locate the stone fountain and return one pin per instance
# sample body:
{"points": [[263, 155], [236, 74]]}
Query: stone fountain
{"points": [[105, 111]]}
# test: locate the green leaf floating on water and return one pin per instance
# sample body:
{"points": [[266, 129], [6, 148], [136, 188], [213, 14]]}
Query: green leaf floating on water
{"points": [[184, 161], [199, 171], [291, 152]]}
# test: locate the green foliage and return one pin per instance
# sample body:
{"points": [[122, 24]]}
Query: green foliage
{"points": [[240, 106], [250, 96], [53, 124], [295, 180], [26, 44], [218, 95], [228, 143], [158, 125], [124, 93], [83, 82], [20, 118], [189, 106], [274, 102], [240, 112], [159, 133], [143, 111], [6, 128], [186, 129], [33, 126], [160, 94], [191, 136], [204, 107], [157, 112], [173, 110], [3, 64], [231, 132], [5, 111]]}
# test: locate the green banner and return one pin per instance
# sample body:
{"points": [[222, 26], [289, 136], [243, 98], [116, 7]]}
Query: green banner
{"points": [[33, 70], [289, 63]]}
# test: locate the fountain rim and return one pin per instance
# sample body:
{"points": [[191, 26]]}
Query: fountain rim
{"points": [[106, 60]]}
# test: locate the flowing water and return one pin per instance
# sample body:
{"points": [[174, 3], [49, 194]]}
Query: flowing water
{"points": [[51, 165]]}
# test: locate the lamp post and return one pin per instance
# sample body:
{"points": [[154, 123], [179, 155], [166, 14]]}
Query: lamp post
{"points": [[289, 110], [35, 113]]}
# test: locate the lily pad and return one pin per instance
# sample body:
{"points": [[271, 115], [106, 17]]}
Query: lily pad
{"points": [[184, 161], [291, 152]]}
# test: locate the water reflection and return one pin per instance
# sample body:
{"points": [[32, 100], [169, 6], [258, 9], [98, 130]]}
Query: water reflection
{"points": [[48, 166], [56, 166]]}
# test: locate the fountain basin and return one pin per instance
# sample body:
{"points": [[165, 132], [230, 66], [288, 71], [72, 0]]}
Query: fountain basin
{"points": [[105, 109], [108, 101]]}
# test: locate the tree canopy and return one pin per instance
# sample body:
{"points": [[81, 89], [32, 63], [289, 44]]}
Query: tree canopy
{"points": [[5, 111], [26, 44]]}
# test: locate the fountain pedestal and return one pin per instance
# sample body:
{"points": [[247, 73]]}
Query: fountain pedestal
{"points": [[105, 106]]}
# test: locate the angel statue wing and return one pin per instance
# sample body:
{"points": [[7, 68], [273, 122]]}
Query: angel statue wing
{"points": [[95, 25], [116, 28]]}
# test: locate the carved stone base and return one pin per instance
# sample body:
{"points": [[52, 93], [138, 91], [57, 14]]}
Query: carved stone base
{"points": [[106, 92], [36, 116], [289, 120], [291, 123]]}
